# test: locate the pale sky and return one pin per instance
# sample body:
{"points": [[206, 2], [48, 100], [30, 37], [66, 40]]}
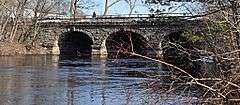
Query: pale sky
{"points": [[119, 8], [122, 8]]}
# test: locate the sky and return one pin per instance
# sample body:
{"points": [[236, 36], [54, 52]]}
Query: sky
{"points": [[119, 8], [122, 8]]}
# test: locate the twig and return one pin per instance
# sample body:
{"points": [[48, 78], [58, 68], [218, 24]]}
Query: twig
{"points": [[194, 81]]}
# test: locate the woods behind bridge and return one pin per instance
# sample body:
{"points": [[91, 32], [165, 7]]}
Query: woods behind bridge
{"points": [[219, 42], [16, 16]]}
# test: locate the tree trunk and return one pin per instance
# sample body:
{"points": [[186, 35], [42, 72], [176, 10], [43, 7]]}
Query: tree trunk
{"points": [[131, 10], [4, 26], [105, 8]]}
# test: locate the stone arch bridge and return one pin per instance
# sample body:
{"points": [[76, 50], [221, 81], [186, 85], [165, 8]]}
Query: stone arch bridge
{"points": [[107, 35]]}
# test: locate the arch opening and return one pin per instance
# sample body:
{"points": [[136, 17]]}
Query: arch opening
{"points": [[121, 42], [179, 51], [77, 44]]}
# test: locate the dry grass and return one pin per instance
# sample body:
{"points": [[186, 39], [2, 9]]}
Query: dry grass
{"points": [[10, 49]]}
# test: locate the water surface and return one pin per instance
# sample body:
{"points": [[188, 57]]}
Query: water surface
{"points": [[50, 80]]}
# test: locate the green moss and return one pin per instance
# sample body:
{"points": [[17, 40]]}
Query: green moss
{"points": [[217, 27], [190, 36], [214, 30]]}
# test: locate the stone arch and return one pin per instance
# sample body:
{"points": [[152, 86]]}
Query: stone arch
{"points": [[119, 40], [169, 50], [87, 32], [75, 43], [143, 33], [176, 37]]}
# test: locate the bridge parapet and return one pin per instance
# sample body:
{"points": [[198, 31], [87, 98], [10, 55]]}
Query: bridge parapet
{"points": [[116, 20]]}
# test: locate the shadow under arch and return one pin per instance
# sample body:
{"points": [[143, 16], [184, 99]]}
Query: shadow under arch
{"points": [[169, 44], [179, 51], [122, 41], [75, 44]]}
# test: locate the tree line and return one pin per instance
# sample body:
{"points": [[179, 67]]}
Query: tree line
{"points": [[16, 15]]}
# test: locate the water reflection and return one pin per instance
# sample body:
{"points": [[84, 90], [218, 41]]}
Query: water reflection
{"points": [[28, 79], [46, 80]]}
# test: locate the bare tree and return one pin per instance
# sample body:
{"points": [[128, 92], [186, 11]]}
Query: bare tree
{"points": [[109, 4], [17, 16], [131, 4]]}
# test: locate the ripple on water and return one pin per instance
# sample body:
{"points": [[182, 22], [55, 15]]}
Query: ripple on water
{"points": [[47, 80]]}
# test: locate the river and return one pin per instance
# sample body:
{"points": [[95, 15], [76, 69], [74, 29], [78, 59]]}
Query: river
{"points": [[51, 80]]}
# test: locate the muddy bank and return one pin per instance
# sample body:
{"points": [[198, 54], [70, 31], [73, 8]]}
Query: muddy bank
{"points": [[9, 49]]}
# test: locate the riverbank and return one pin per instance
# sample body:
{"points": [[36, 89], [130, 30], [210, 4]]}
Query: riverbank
{"points": [[9, 49]]}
